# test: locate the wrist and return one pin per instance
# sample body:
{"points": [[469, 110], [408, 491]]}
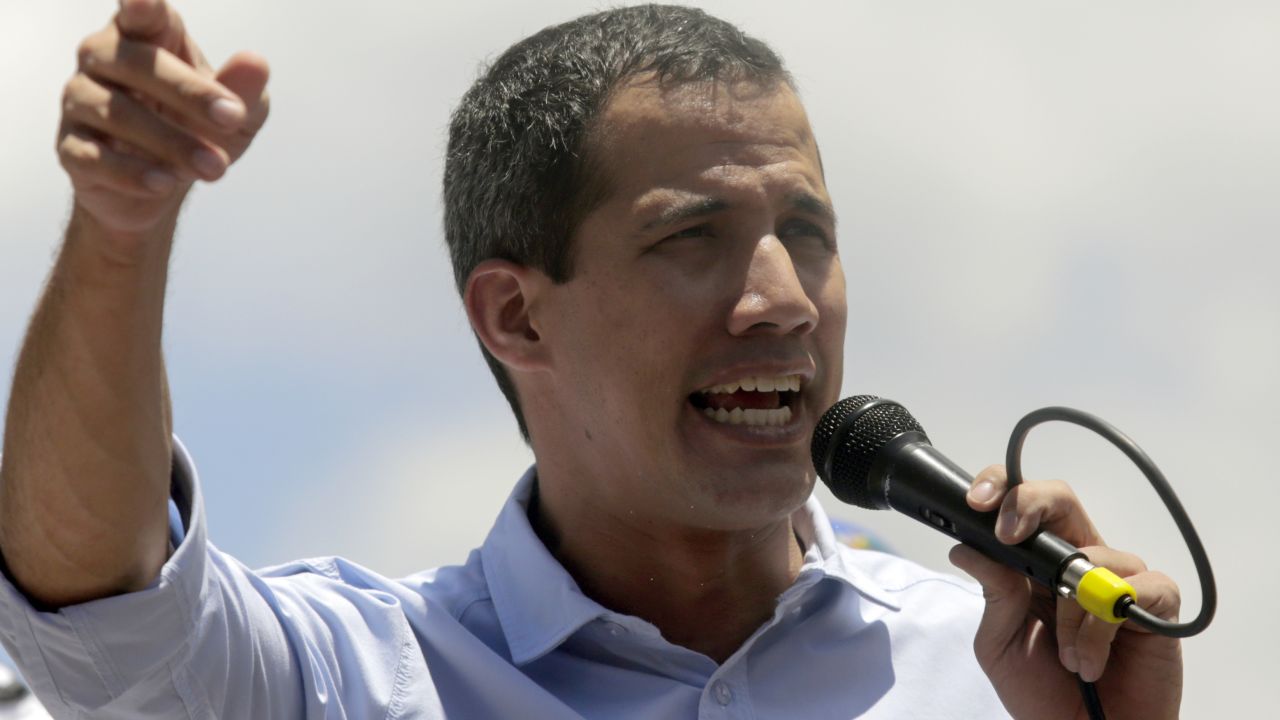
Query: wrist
{"points": [[123, 248]]}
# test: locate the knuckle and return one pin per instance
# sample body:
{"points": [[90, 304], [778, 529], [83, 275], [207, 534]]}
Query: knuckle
{"points": [[994, 473], [78, 97], [1061, 488], [76, 153], [76, 86], [65, 158], [194, 91], [1023, 498], [1052, 496], [84, 53], [99, 113], [68, 100], [93, 50], [112, 103], [1124, 564], [1170, 600], [1066, 626]]}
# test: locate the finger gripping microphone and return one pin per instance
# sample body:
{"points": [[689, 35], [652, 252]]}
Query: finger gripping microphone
{"points": [[872, 453]]}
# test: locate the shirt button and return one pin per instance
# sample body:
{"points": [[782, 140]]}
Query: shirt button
{"points": [[615, 629], [724, 695]]}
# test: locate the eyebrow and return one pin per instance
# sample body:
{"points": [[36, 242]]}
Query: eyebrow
{"points": [[704, 205], [813, 205], [695, 207]]}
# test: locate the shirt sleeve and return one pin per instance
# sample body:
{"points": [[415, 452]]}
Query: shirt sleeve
{"points": [[204, 640]]}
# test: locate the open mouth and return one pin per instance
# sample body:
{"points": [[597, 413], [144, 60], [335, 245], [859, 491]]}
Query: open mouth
{"points": [[758, 401]]}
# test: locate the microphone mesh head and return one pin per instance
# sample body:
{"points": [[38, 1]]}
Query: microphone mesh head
{"points": [[857, 445]]}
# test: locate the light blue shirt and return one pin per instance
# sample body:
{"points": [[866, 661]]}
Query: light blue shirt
{"points": [[508, 634]]}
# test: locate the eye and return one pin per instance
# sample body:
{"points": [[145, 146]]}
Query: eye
{"points": [[797, 229], [696, 231]]}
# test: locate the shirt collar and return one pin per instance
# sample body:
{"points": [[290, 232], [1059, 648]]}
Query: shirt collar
{"points": [[539, 605], [825, 557]]}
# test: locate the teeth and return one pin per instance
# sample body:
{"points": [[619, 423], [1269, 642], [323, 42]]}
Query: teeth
{"points": [[738, 416], [757, 384]]}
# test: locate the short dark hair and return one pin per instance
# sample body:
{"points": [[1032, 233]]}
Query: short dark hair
{"points": [[518, 178]]}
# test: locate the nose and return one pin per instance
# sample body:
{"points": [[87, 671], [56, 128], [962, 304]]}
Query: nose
{"points": [[773, 299]]}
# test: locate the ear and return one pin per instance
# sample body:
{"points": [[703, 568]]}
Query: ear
{"points": [[498, 298]]}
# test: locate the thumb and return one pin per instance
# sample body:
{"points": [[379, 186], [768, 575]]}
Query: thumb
{"points": [[1008, 598], [246, 74]]}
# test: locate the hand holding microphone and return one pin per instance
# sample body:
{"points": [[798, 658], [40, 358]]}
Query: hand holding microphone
{"points": [[872, 453]]}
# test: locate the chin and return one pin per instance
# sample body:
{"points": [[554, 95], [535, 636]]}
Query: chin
{"points": [[753, 497]]}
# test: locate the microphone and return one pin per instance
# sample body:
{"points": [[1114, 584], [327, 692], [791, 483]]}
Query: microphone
{"points": [[872, 453]]}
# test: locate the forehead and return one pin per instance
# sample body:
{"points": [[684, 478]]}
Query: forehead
{"points": [[653, 135]]}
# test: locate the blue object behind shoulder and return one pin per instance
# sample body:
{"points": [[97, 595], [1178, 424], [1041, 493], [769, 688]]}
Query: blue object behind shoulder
{"points": [[859, 537]]}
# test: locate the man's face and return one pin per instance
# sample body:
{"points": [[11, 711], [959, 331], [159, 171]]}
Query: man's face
{"points": [[701, 335]]}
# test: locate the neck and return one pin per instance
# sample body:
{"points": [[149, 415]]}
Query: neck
{"points": [[707, 590]]}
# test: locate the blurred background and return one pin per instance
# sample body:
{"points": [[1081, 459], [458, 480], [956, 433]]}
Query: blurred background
{"points": [[1041, 203]]}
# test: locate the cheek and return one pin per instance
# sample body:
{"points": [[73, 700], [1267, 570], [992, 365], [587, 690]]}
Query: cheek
{"points": [[624, 340], [824, 284], [652, 307], [833, 312], [835, 305]]}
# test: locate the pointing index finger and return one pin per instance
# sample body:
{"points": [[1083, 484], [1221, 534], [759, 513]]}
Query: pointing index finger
{"points": [[157, 23], [148, 20]]}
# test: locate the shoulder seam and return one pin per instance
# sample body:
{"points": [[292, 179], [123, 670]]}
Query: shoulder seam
{"points": [[395, 708]]}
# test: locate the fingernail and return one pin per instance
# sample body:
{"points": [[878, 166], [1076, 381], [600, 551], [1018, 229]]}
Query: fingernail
{"points": [[159, 181], [1089, 671], [207, 162], [1070, 660], [1005, 524], [1022, 528], [983, 491], [226, 112]]}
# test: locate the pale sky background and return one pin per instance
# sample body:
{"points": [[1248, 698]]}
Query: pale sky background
{"points": [[1041, 203]]}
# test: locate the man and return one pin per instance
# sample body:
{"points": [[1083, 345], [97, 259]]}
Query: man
{"points": [[641, 231]]}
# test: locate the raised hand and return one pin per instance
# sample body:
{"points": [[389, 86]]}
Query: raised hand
{"points": [[87, 457], [145, 116]]}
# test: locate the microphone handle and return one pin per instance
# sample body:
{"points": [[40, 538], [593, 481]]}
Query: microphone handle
{"points": [[917, 480]]}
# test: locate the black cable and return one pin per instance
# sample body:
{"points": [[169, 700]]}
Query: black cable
{"points": [[1092, 702], [1127, 608]]}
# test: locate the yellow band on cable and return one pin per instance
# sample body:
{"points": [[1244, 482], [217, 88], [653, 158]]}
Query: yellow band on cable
{"points": [[1100, 590]]}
